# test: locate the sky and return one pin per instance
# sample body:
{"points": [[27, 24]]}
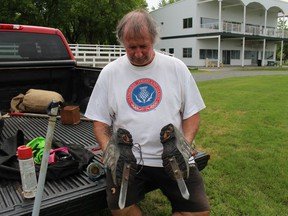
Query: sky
{"points": [[152, 3]]}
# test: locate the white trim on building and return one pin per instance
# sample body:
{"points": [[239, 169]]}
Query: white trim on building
{"points": [[231, 32]]}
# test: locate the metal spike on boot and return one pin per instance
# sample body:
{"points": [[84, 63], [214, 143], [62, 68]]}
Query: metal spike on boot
{"points": [[175, 156], [126, 166]]}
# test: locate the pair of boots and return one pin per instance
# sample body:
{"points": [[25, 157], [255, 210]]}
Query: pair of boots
{"points": [[119, 151]]}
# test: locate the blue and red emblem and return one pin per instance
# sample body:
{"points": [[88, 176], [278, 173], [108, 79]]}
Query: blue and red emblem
{"points": [[144, 95]]}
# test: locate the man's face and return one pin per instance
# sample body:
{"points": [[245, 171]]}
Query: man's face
{"points": [[139, 48]]}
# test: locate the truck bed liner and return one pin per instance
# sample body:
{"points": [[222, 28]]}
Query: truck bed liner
{"points": [[69, 196]]}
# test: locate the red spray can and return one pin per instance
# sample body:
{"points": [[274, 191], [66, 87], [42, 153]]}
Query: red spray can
{"points": [[27, 171]]}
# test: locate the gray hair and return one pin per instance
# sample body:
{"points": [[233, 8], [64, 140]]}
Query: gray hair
{"points": [[136, 21]]}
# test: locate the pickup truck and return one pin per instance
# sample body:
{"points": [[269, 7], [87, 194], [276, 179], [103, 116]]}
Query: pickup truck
{"points": [[34, 57]]}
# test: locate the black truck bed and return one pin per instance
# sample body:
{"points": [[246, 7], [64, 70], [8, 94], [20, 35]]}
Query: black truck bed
{"points": [[75, 195]]}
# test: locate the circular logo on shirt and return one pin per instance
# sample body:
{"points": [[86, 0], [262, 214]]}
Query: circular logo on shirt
{"points": [[144, 95]]}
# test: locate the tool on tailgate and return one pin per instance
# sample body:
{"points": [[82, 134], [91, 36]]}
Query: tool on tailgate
{"points": [[95, 171], [53, 107]]}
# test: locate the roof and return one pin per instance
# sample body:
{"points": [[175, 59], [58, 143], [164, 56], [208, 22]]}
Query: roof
{"points": [[27, 28], [275, 5]]}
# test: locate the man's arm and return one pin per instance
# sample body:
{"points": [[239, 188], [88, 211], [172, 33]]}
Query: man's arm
{"points": [[102, 134], [190, 127]]}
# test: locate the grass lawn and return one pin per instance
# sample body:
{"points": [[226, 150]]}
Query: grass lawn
{"points": [[245, 130], [265, 68]]}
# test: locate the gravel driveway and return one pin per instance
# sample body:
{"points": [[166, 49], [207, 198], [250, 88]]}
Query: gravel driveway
{"points": [[227, 72]]}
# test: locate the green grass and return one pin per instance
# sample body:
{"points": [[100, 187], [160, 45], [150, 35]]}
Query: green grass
{"points": [[265, 68], [197, 70], [245, 130]]}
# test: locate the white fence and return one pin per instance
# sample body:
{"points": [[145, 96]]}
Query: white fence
{"points": [[96, 55], [91, 55]]}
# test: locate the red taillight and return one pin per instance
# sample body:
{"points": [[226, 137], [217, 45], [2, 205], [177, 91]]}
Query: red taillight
{"points": [[10, 27]]}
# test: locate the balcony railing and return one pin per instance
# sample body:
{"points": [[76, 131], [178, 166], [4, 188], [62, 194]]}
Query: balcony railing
{"points": [[231, 27], [249, 29], [210, 25]]}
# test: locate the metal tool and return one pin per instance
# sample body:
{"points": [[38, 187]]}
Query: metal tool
{"points": [[95, 171], [124, 185], [179, 178], [44, 163], [37, 115]]}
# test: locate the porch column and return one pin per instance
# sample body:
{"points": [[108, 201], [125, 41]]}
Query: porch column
{"points": [[220, 16], [244, 20], [282, 42], [265, 23], [243, 39], [263, 53], [264, 41], [281, 53], [243, 52], [219, 49]]}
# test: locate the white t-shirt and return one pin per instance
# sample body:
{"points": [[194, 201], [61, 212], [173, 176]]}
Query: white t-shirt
{"points": [[142, 100]]}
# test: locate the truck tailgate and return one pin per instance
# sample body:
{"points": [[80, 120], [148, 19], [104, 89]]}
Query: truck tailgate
{"points": [[74, 195]]}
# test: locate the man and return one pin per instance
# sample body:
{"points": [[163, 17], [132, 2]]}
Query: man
{"points": [[142, 92]]}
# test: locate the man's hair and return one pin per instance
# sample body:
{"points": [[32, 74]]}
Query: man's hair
{"points": [[136, 21]]}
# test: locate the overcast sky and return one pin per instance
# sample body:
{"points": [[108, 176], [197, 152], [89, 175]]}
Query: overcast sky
{"points": [[152, 3]]}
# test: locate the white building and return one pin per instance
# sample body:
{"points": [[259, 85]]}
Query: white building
{"points": [[232, 32]]}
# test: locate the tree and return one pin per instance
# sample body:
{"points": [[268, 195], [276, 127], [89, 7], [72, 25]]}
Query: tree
{"points": [[81, 21], [282, 25], [96, 20], [13, 11]]}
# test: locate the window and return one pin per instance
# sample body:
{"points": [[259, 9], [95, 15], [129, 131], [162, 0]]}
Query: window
{"points": [[235, 54], [208, 53], [188, 22], [163, 49], [171, 50], [248, 54], [202, 54], [187, 52], [31, 46]]}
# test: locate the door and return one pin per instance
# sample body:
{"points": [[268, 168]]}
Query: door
{"points": [[226, 57]]}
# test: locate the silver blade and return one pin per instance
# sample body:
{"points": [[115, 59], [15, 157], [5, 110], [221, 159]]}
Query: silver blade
{"points": [[183, 189], [179, 178], [124, 185]]}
